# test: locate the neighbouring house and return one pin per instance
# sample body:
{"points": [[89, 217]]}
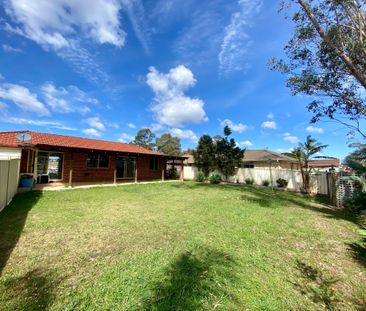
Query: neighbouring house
{"points": [[326, 165], [189, 159], [52, 158], [267, 158]]}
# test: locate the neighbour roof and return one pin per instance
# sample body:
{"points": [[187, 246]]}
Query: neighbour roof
{"points": [[265, 155], [8, 139], [324, 163]]}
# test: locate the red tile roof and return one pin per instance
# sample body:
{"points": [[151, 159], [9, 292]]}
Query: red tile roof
{"points": [[324, 163], [8, 139]]}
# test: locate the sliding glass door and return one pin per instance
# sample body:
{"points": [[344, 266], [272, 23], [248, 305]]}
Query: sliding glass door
{"points": [[50, 163], [125, 167]]}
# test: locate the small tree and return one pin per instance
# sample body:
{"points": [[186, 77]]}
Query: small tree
{"points": [[303, 154], [204, 155], [357, 161], [168, 144], [228, 154], [144, 139]]}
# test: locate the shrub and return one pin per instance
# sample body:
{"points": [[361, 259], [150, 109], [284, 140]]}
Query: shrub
{"points": [[282, 183], [265, 183], [357, 202], [201, 177], [172, 173], [215, 179], [249, 181]]}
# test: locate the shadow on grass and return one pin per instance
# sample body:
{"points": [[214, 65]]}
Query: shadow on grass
{"points": [[32, 291], [358, 251], [193, 280], [12, 221], [314, 285]]}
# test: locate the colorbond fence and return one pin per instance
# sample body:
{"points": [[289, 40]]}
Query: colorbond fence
{"points": [[9, 179]]}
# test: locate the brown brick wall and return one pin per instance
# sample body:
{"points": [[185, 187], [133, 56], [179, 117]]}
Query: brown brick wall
{"points": [[143, 168], [23, 161]]}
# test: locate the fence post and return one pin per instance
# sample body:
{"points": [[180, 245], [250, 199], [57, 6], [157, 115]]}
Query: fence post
{"points": [[7, 183], [162, 174], [136, 175], [115, 176], [70, 178]]}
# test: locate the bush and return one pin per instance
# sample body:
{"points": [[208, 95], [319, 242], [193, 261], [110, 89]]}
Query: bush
{"points": [[249, 181], [357, 202], [282, 183], [201, 177], [172, 173], [215, 179], [265, 183]]}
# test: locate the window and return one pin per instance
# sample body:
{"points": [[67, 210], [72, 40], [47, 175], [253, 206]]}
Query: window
{"points": [[248, 165], [154, 164], [97, 161]]}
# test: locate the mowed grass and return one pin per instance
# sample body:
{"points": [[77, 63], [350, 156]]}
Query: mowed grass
{"points": [[178, 246]]}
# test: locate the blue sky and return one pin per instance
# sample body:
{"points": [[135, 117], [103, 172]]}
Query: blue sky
{"points": [[186, 67]]}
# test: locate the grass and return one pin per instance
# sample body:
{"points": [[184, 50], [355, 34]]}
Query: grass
{"points": [[178, 246]]}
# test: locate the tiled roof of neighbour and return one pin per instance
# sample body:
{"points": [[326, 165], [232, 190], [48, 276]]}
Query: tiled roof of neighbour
{"points": [[325, 163], [265, 155], [8, 139]]}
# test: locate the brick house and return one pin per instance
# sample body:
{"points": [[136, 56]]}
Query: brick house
{"points": [[66, 159]]}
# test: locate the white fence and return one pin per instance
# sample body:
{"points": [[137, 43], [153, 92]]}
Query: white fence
{"points": [[319, 183], [9, 178]]}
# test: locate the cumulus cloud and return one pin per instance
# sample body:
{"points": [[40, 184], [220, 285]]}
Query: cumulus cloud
{"points": [[184, 134], [23, 98], [245, 143], [237, 41], [235, 127], [126, 138], [66, 99], [56, 23], [92, 132], [96, 123], [269, 125], [170, 105], [131, 125], [314, 129], [290, 138]]}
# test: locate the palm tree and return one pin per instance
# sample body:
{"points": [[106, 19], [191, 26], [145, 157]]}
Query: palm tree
{"points": [[303, 153]]}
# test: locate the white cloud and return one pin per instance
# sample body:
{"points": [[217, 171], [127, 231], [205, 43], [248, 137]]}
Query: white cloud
{"points": [[125, 138], [23, 98], [156, 127], [184, 134], [270, 115], [245, 143], [66, 99], [11, 49], [171, 106], [290, 138], [314, 129], [56, 23], [269, 125], [52, 124], [92, 132], [3, 106], [131, 125], [237, 40], [239, 127], [96, 123]]}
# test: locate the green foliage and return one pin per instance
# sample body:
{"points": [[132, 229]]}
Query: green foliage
{"points": [[215, 179], [204, 155], [357, 202], [144, 139], [228, 154], [168, 144], [265, 183], [282, 183], [249, 181], [357, 161], [201, 177], [326, 59]]}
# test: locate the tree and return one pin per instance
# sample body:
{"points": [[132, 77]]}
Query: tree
{"points": [[228, 154], [303, 153], [357, 161], [327, 59], [168, 144], [204, 155], [144, 139]]}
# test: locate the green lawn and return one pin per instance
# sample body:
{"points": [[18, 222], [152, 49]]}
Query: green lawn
{"points": [[178, 246]]}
